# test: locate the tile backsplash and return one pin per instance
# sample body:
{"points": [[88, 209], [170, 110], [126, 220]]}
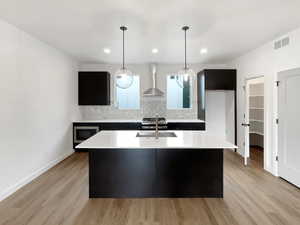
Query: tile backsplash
{"points": [[150, 106]]}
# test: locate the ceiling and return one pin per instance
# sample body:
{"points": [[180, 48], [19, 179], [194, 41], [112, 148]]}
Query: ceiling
{"points": [[227, 28]]}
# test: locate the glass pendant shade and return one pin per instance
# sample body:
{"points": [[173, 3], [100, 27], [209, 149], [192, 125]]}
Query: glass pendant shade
{"points": [[186, 74], [124, 78]]}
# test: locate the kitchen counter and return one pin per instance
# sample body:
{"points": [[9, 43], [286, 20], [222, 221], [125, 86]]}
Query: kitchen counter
{"points": [[109, 121], [184, 121], [128, 140], [122, 165], [138, 121]]}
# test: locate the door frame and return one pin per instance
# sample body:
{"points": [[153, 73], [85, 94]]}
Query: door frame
{"points": [[278, 140], [267, 152]]}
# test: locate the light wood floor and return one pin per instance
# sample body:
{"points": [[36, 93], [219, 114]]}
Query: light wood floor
{"points": [[60, 196], [257, 156]]}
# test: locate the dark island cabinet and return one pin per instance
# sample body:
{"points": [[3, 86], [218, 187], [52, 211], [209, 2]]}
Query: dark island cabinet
{"points": [[189, 173], [143, 173], [186, 126], [121, 173]]}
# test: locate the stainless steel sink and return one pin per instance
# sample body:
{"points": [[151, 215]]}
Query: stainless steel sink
{"points": [[152, 134]]}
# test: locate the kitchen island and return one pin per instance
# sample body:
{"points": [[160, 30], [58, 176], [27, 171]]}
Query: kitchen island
{"points": [[122, 165]]}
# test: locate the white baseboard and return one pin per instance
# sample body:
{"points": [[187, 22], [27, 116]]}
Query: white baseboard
{"points": [[12, 189]]}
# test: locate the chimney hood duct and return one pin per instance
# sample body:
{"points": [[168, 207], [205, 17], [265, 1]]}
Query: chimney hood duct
{"points": [[153, 91]]}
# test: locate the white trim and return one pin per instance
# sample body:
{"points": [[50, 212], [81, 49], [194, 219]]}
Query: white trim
{"points": [[246, 121], [12, 189], [268, 156], [285, 170], [275, 126]]}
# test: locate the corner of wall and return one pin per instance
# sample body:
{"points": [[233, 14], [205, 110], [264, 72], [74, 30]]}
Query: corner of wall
{"points": [[12, 189]]}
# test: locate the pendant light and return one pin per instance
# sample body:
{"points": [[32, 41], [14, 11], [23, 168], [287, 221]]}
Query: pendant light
{"points": [[186, 74], [124, 78]]}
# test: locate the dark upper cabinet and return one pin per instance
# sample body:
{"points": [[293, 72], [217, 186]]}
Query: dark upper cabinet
{"points": [[93, 88], [219, 79]]}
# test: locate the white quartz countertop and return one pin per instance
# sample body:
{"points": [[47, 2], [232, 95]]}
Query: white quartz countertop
{"points": [[184, 121], [138, 121], [109, 121], [128, 139]]}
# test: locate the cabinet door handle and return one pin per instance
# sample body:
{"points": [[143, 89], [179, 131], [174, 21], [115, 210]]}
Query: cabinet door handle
{"points": [[245, 124]]}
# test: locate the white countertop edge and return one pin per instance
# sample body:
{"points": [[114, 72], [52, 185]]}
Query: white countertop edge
{"points": [[138, 121], [128, 140], [164, 148], [184, 121]]}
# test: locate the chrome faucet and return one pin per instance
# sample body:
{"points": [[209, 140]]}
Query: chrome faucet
{"points": [[156, 127]]}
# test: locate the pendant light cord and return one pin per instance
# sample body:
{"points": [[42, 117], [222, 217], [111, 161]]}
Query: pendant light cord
{"points": [[123, 29], [185, 28], [123, 51], [185, 66]]}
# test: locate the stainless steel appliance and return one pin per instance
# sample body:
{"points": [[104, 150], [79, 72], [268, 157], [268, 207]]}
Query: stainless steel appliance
{"points": [[150, 123], [153, 91], [81, 133], [154, 134]]}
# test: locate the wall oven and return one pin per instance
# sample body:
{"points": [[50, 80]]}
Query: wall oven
{"points": [[81, 133]]}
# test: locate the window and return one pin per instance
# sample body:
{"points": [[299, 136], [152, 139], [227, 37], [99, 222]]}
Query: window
{"points": [[178, 92], [129, 98]]}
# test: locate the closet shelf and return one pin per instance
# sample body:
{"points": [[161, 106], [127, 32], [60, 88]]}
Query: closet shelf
{"points": [[254, 120], [256, 108], [256, 132]]}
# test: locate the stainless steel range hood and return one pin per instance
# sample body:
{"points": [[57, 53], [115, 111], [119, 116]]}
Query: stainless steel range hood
{"points": [[153, 91]]}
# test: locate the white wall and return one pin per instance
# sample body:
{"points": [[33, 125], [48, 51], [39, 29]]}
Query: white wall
{"points": [[267, 62], [38, 99]]}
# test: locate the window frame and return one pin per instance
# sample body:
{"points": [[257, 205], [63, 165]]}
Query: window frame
{"points": [[139, 95], [191, 95]]}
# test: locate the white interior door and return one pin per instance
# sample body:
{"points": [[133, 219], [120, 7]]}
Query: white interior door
{"points": [[289, 126], [246, 124]]}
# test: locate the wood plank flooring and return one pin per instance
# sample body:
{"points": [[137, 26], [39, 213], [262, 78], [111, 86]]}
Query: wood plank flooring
{"points": [[60, 196], [257, 156]]}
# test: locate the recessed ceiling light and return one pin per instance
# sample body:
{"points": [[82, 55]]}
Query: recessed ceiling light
{"points": [[154, 50], [203, 51], [106, 50]]}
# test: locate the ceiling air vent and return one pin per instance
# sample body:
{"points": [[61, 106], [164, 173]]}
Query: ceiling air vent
{"points": [[285, 41], [277, 45], [281, 43]]}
